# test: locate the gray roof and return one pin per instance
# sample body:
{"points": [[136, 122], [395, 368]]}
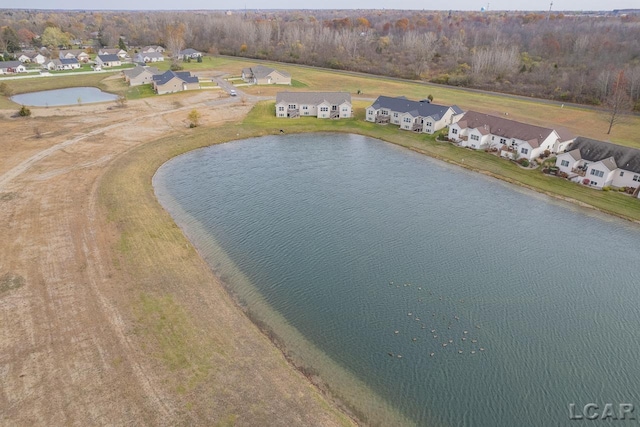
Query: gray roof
{"points": [[260, 71], [65, 61], [109, 58], [150, 55], [10, 64], [626, 158], [333, 98], [132, 73], [185, 76], [415, 108], [188, 51], [506, 128]]}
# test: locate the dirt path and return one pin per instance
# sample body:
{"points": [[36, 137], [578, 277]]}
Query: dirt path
{"points": [[70, 353]]}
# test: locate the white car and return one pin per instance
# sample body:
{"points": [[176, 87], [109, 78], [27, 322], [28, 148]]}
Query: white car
{"points": [[232, 92]]}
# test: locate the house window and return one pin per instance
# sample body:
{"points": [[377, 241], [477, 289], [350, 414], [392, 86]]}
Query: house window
{"points": [[503, 141], [524, 150], [621, 173], [324, 109], [345, 109], [280, 108], [429, 124], [395, 114], [292, 107], [636, 177], [564, 163], [475, 137], [596, 172], [454, 131], [593, 183], [371, 112], [305, 107], [385, 112], [493, 138]]}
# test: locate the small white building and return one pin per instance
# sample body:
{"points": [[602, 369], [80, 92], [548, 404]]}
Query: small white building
{"points": [[323, 105], [147, 57], [10, 67], [513, 139], [600, 164], [106, 61]]}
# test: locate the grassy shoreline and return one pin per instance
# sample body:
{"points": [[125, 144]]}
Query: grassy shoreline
{"points": [[168, 280]]}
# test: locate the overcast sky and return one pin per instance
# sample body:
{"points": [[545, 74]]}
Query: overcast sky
{"points": [[535, 5]]}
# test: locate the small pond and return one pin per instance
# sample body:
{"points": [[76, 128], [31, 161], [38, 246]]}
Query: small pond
{"points": [[59, 97]]}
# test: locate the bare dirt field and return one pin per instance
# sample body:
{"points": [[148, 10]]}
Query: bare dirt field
{"points": [[89, 333]]}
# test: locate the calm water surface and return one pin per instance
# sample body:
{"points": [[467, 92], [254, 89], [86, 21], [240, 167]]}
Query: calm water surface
{"points": [[59, 97], [357, 251]]}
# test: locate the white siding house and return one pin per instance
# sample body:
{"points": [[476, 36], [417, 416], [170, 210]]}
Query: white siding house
{"points": [[417, 116], [601, 164], [513, 139], [323, 105]]}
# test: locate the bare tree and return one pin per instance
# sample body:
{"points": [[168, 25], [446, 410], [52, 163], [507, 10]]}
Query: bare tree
{"points": [[618, 101], [420, 48]]}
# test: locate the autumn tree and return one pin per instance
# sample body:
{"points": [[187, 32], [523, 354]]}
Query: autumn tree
{"points": [[194, 118], [53, 37], [174, 37]]}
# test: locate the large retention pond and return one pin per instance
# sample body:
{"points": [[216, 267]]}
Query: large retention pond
{"points": [[60, 97], [505, 306]]}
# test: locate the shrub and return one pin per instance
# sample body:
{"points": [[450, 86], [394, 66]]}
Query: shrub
{"points": [[524, 162], [24, 112], [606, 188], [176, 67], [563, 175]]}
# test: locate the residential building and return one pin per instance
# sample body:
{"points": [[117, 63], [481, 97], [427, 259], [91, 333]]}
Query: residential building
{"points": [[600, 164], [147, 57], [172, 81], [10, 67], [78, 54], [140, 75], [323, 105], [189, 53], [62, 64], [122, 54], [513, 139], [417, 116], [152, 49], [108, 61], [261, 75]]}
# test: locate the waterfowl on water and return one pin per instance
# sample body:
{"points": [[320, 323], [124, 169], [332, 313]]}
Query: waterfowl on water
{"points": [[459, 351], [399, 356], [474, 341], [390, 354], [396, 332], [481, 348], [433, 331], [444, 344], [432, 354], [473, 352], [414, 339]]}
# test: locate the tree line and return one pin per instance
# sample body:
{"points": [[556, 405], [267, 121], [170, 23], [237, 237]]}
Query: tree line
{"points": [[585, 58]]}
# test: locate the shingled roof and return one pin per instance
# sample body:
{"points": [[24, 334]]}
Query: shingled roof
{"points": [[506, 128], [132, 73], [165, 77], [260, 71], [415, 108], [592, 150], [334, 98], [109, 58]]}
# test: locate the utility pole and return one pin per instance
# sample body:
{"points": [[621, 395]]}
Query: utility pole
{"points": [[549, 14]]}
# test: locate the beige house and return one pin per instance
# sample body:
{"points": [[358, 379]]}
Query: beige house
{"points": [[172, 81], [153, 48], [140, 75], [148, 57], [122, 54], [261, 75], [323, 105]]}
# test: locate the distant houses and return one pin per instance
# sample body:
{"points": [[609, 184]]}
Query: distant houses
{"points": [[261, 75], [62, 64], [511, 138], [323, 105], [174, 81], [78, 54], [33, 57], [417, 116], [601, 164], [152, 49]]}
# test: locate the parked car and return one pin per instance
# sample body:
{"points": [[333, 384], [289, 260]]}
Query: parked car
{"points": [[232, 92]]}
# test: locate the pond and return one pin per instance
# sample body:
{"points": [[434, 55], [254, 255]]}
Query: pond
{"points": [[61, 97], [422, 293]]}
